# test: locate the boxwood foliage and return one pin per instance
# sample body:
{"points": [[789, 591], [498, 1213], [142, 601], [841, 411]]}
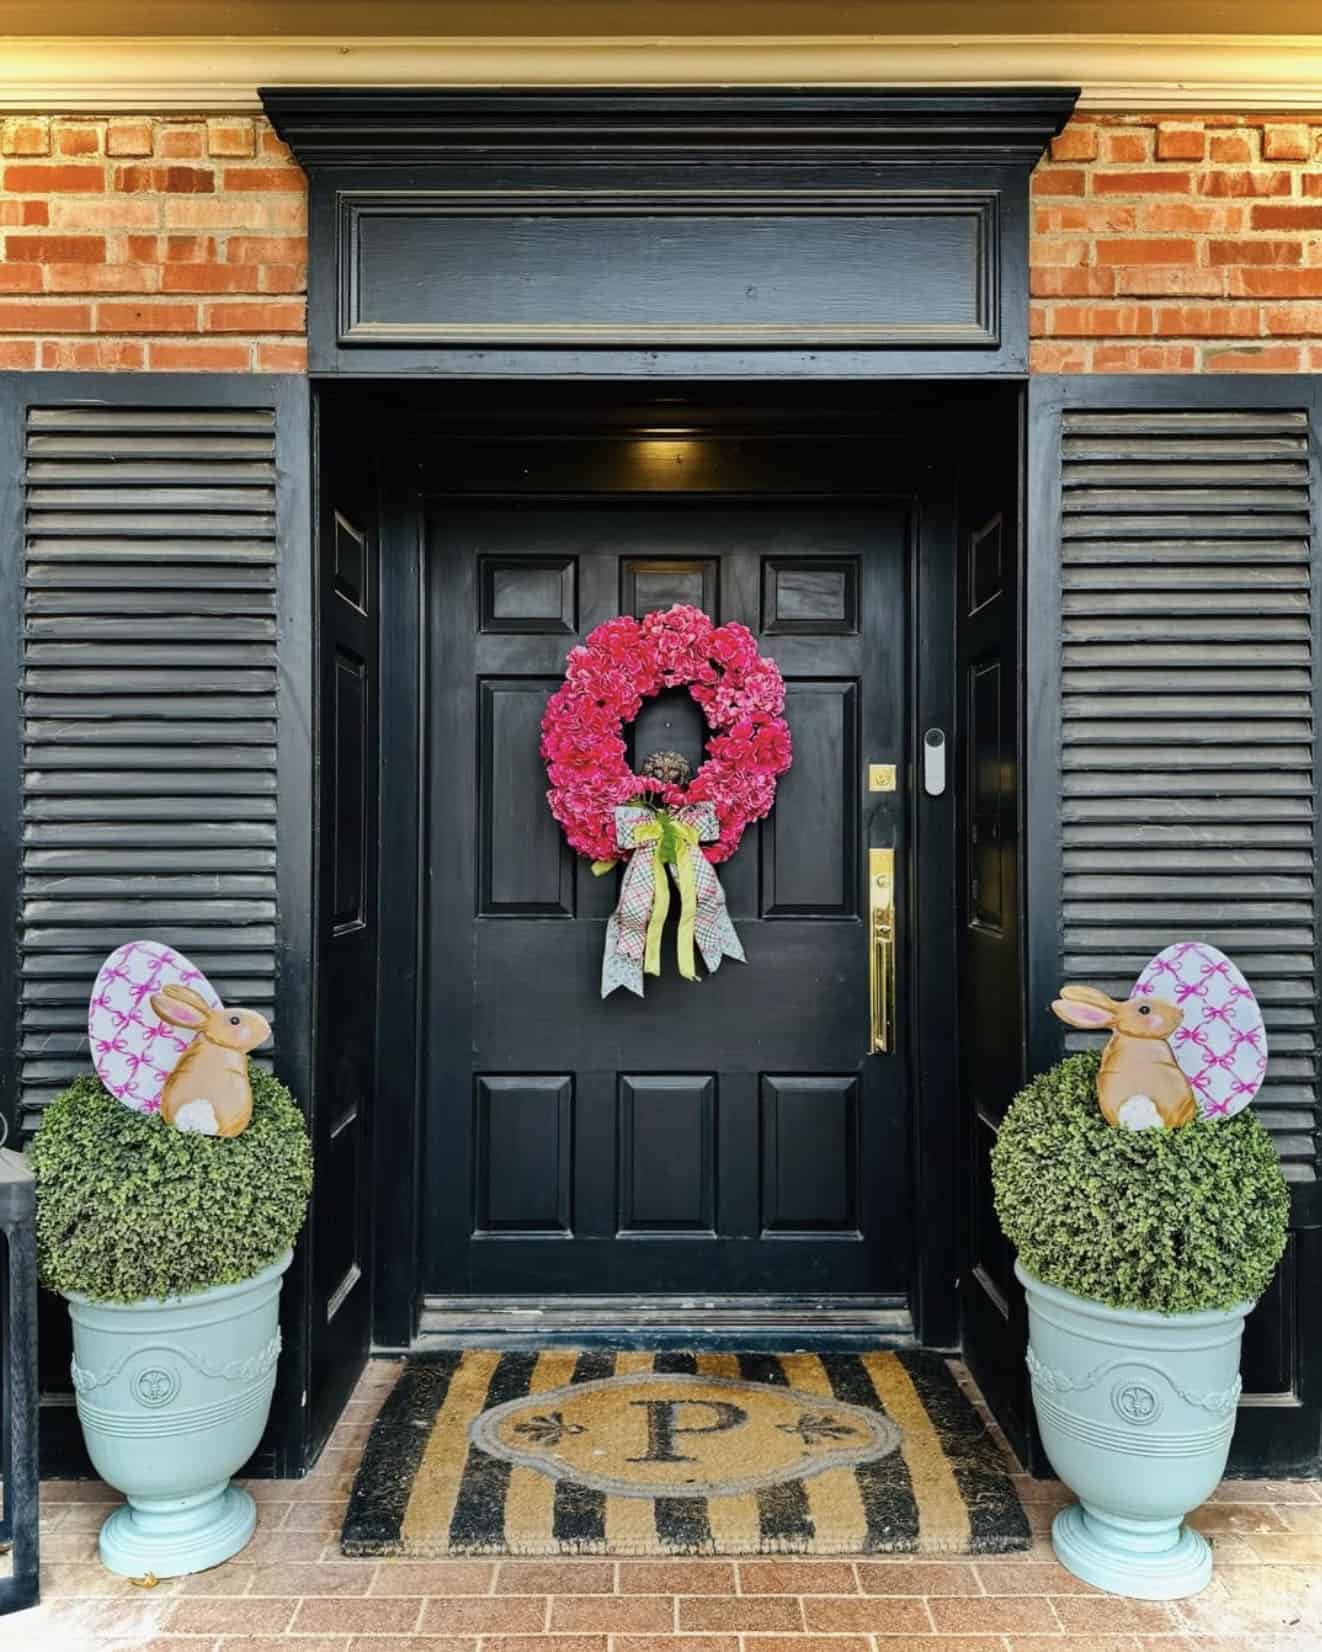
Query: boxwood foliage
{"points": [[1173, 1221], [129, 1207]]}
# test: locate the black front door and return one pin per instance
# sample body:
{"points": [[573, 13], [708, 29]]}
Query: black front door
{"points": [[728, 1137]]}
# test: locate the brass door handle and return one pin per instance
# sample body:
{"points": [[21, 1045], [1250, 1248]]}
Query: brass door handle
{"points": [[881, 949]]}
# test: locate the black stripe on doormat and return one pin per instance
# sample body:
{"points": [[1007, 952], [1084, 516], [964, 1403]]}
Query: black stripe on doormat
{"points": [[478, 1522], [889, 1504], [782, 1511], [997, 1521], [578, 1517], [681, 1522], [384, 1481]]}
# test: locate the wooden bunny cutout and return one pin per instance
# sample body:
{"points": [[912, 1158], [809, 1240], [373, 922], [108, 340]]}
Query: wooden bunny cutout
{"points": [[1140, 1084], [208, 1092]]}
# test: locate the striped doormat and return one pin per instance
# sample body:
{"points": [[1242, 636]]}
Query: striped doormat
{"points": [[592, 1452]]}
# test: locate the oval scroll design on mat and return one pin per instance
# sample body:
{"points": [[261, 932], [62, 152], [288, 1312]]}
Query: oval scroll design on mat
{"points": [[649, 1434]]}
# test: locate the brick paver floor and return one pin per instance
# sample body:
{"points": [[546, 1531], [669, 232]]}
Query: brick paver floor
{"points": [[291, 1591]]}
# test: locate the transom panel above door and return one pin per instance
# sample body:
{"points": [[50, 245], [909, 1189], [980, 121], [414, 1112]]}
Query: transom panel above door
{"points": [[732, 1136]]}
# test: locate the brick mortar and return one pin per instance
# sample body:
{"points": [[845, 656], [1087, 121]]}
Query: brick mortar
{"points": [[1178, 244], [1164, 243], [167, 243]]}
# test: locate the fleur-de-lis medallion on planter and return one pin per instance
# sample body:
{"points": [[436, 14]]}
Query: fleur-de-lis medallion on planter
{"points": [[156, 1386], [1135, 1402]]}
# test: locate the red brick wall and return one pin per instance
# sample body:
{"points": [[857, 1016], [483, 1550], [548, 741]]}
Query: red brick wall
{"points": [[174, 243], [1179, 244], [1160, 243]]}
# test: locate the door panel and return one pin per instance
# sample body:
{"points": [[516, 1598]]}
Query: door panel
{"points": [[733, 1136], [349, 835], [990, 943]]}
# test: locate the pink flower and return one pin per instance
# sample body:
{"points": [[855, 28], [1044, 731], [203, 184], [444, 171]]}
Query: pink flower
{"points": [[734, 646], [680, 641]]}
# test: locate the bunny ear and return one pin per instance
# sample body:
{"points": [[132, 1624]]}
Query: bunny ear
{"points": [[185, 995], [1080, 1014], [178, 1011], [1089, 995]]}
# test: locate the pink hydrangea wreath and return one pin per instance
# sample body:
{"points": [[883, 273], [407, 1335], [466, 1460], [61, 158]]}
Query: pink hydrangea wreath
{"points": [[607, 678]]}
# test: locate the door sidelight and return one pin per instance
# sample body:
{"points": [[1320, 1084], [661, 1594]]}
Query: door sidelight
{"points": [[881, 949]]}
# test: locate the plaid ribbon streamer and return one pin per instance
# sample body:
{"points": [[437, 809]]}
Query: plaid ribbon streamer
{"points": [[626, 956]]}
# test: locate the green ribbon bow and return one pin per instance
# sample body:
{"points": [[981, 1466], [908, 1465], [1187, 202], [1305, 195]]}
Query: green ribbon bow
{"points": [[671, 840]]}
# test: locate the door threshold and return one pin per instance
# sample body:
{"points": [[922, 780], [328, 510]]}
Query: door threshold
{"points": [[765, 1324]]}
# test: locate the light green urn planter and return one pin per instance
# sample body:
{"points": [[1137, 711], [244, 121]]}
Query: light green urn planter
{"points": [[173, 1396], [1136, 1412]]}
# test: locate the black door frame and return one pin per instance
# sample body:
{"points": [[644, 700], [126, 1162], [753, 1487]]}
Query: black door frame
{"points": [[934, 1078]]}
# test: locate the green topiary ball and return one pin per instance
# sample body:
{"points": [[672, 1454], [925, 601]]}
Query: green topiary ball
{"points": [[1173, 1221], [128, 1207]]}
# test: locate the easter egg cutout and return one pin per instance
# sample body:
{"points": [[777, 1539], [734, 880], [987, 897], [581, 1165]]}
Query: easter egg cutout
{"points": [[1221, 1045], [133, 1050]]}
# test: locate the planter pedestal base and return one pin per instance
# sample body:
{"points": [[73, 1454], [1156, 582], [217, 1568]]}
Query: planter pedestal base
{"points": [[172, 1536], [1146, 1559]]}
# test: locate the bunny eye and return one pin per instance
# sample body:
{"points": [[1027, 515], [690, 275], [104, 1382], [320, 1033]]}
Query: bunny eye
{"points": [[1145, 1009], [234, 1020]]}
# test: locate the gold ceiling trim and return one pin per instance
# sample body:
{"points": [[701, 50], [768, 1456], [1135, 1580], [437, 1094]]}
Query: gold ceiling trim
{"points": [[1118, 72]]}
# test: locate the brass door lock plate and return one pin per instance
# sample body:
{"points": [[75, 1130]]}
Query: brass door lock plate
{"points": [[881, 777], [881, 950]]}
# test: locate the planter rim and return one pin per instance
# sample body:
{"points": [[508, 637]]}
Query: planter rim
{"points": [[210, 1294], [1091, 1308]]}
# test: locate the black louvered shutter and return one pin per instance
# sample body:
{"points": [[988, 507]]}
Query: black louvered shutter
{"points": [[1171, 699], [148, 705], [156, 636], [1187, 790]]}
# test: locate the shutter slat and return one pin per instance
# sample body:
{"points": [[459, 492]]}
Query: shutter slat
{"points": [[1187, 422], [94, 472], [148, 809], [166, 755], [149, 721], [1187, 777], [1212, 783], [1193, 835], [163, 709], [1185, 552], [194, 422], [101, 862], [156, 451], [1239, 575], [137, 599], [1263, 685], [102, 836], [1156, 809], [1105, 524], [68, 971], [148, 524], [1192, 707], [113, 730], [1172, 474], [220, 626], [56, 1003], [1189, 862], [65, 680], [1247, 598], [1135, 754], [189, 571], [1101, 451]]}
